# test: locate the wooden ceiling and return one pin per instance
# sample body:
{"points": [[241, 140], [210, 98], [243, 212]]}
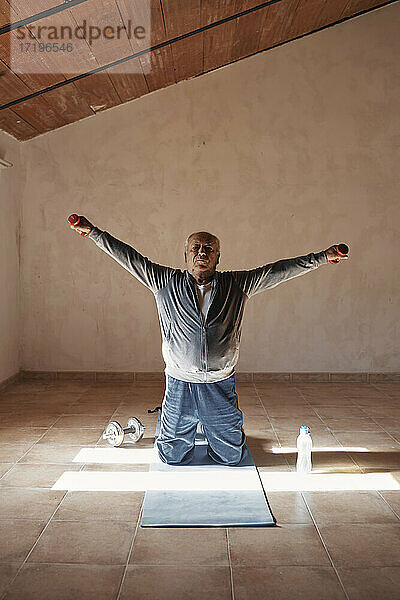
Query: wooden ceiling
{"points": [[188, 38]]}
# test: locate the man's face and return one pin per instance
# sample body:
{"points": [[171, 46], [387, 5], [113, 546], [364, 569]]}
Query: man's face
{"points": [[202, 255]]}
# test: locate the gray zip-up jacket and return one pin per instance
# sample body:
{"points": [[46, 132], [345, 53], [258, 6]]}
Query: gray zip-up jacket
{"points": [[189, 344]]}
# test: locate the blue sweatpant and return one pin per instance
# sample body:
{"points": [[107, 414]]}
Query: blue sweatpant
{"points": [[215, 405]]}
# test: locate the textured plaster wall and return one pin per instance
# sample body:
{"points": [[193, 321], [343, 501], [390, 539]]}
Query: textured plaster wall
{"points": [[283, 153], [11, 185]]}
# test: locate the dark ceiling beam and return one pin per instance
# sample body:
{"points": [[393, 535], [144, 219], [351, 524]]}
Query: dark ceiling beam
{"points": [[42, 15], [187, 35]]}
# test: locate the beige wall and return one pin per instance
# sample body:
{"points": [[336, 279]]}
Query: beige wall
{"points": [[11, 184], [283, 153]]}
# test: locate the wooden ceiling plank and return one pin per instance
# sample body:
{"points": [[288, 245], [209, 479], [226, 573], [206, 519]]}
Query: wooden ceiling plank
{"points": [[39, 114], [129, 82], [11, 87], [80, 60], [278, 19], [104, 14], [330, 12], [355, 6], [215, 10], [98, 91], [32, 69], [68, 103], [181, 16], [218, 44], [136, 12], [16, 126], [305, 18], [246, 40], [188, 57], [233, 39], [158, 68], [26, 8], [6, 13]]}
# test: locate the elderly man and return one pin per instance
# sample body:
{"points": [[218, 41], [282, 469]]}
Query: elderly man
{"points": [[201, 312]]}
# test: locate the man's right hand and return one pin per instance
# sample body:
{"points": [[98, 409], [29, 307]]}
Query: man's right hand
{"points": [[84, 227]]}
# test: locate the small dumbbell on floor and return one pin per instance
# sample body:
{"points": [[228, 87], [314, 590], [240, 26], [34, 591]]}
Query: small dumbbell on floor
{"points": [[114, 433]]}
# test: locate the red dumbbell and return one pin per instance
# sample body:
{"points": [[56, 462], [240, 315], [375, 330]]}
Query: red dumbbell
{"points": [[342, 250], [75, 220]]}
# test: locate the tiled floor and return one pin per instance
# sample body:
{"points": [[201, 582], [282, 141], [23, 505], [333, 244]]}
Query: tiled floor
{"points": [[338, 533]]}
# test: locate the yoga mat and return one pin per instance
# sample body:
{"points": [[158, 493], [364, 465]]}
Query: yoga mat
{"points": [[205, 494]]}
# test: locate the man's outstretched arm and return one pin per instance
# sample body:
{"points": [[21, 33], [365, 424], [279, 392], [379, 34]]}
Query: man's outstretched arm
{"points": [[270, 275], [152, 275]]}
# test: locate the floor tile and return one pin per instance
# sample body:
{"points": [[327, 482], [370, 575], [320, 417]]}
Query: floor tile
{"points": [[10, 453], [7, 572], [363, 545], [351, 424], [66, 582], [329, 400], [21, 435], [84, 542], [288, 507], [115, 467], [176, 583], [93, 421], [276, 546], [286, 583], [388, 423], [379, 460], [253, 411], [100, 506], [367, 439], [328, 462], [293, 423], [17, 538], [72, 437], [51, 454], [343, 412], [393, 498], [394, 434], [320, 439], [24, 420], [263, 457], [365, 401], [349, 507], [4, 467], [79, 409], [28, 504], [35, 475], [300, 413], [175, 546], [372, 583]]}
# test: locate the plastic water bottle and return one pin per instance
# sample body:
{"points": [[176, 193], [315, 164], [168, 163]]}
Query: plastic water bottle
{"points": [[304, 447]]}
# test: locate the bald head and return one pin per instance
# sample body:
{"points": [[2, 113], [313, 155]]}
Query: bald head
{"points": [[205, 236], [202, 250]]}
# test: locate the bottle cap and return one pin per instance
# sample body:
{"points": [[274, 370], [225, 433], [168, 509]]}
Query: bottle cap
{"points": [[304, 429]]}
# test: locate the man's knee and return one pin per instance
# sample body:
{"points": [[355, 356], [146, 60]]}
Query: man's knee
{"points": [[173, 454], [231, 459]]}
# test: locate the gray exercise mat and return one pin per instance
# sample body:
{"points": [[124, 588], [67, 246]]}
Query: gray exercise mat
{"points": [[205, 494]]}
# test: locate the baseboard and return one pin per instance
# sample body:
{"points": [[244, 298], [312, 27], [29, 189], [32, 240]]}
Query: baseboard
{"points": [[9, 381], [138, 377]]}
